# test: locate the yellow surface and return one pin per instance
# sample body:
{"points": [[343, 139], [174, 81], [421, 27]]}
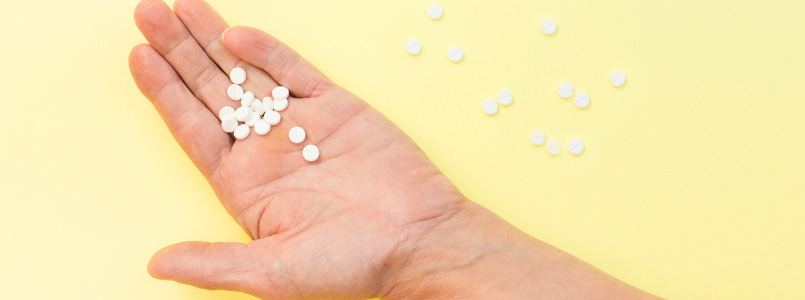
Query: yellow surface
{"points": [[691, 186]]}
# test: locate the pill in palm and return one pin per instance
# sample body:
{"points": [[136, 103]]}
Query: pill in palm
{"points": [[237, 75], [553, 147], [242, 131], [253, 118], [505, 98], [268, 104], [229, 124], [226, 111], [575, 147], [272, 117], [490, 107], [297, 135], [455, 54], [582, 100], [262, 127], [310, 153], [549, 27], [538, 138], [243, 113], [435, 11], [617, 79], [565, 90], [280, 104], [257, 107], [247, 99], [413, 47], [280, 92], [235, 92]]}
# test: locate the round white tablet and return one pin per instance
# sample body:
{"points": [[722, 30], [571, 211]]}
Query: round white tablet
{"points": [[262, 127], [229, 124], [505, 98], [310, 153], [268, 104], [235, 92], [280, 92], [455, 54], [226, 111], [253, 118], [553, 147], [280, 104], [272, 117], [243, 113], [242, 132], [435, 11], [297, 135], [565, 90], [247, 99], [549, 27], [413, 47], [237, 75], [582, 100], [575, 147], [538, 138], [490, 107], [617, 79], [257, 107]]}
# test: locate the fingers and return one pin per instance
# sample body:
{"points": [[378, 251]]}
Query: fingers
{"points": [[280, 61], [168, 35], [196, 129]]}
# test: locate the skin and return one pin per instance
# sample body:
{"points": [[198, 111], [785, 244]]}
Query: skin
{"points": [[373, 217]]}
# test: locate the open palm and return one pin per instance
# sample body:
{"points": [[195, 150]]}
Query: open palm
{"points": [[341, 226]]}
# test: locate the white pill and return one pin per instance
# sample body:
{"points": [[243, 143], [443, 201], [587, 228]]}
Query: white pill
{"points": [[262, 127], [413, 47], [243, 113], [242, 132], [538, 138], [582, 100], [297, 135], [490, 107], [257, 107], [229, 124], [237, 75], [455, 54], [549, 27], [280, 104], [235, 92], [280, 92], [268, 104], [618, 79], [435, 11], [505, 98], [310, 153], [553, 147], [226, 111], [565, 90], [248, 98], [272, 117], [575, 147], [253, 118]]}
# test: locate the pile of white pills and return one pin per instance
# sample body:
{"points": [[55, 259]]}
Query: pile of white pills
{"points": [[554, 147], [259, 114], [490, 107]]}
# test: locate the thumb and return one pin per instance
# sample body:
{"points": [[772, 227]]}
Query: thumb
{"points": [[225, 266]]}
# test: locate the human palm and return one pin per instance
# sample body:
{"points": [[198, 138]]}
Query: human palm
{"points": [[341, 226]]}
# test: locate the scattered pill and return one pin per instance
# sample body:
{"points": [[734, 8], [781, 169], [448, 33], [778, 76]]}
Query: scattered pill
{"points": [[575, 147], [262, 127], [297, 135], [242, 131], [435, 11], [582, 100], [413, 47], [310, 153], [280, 92], [257, 107], [505, 98], [280, 104], [537, 138], [229, 124], [618, 79], [243, 113], [235, 92], [549, 27], [565, 90], [272, 117], [226, 111], [252, 120], [553, 147], [490, 107], [247, 99], [237, 75], [268, 104], [455, 54]]}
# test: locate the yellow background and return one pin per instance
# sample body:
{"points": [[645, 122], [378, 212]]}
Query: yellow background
{"points": [[691, 186]]}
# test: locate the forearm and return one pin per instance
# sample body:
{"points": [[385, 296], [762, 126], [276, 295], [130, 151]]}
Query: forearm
{"points": [[476, 255]]}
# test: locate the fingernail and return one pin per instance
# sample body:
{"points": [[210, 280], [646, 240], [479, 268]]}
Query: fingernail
{"points": [[224, 34]]}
